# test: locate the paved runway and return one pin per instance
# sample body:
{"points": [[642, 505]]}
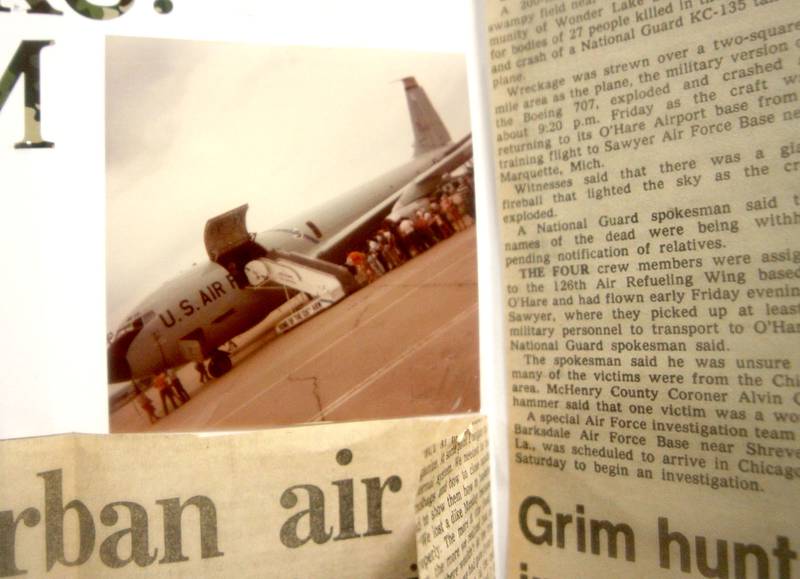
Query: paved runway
{"points": [[405, 345]]}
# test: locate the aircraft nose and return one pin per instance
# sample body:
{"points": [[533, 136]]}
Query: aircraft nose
{"points": [[119, 370]]}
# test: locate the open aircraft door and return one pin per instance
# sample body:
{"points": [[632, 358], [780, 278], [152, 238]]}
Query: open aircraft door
{"points": [[229, 244]]}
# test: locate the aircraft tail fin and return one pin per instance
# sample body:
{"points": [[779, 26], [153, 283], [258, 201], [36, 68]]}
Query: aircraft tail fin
{"points": [[429, 130]]}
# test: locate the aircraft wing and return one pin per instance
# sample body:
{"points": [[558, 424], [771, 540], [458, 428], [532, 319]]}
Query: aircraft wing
{"points": [[461, 153], [425, 183], [428, 181]]}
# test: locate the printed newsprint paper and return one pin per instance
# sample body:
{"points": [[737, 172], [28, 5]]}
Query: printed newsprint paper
{"points": [[314, 501], [647, 182], [646, 163], [55, 365]]}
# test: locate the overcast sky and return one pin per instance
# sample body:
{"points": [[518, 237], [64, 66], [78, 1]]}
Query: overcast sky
{"points": [[197, 128]]}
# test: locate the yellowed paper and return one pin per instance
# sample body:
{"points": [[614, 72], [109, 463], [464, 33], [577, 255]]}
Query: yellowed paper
{"points": [[315, 501], [647, 158], [453, 508]]}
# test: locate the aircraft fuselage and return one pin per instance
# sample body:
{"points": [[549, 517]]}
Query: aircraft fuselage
{"points": [[204, 306]]}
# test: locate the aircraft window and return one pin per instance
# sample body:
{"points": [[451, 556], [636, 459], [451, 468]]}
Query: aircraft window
{"points": [[135, 324], [293, 232], [313, 227], [296, 233]]}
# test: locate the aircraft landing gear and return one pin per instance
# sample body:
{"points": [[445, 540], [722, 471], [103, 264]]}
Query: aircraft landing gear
{"points": [[219, 364]]}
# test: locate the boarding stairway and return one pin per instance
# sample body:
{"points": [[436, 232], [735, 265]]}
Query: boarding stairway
{"points": [[325, 282], [253, 266]]}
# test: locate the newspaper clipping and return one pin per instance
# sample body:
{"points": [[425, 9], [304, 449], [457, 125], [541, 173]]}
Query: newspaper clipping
{"points": [[646, 160], [313, 501]]}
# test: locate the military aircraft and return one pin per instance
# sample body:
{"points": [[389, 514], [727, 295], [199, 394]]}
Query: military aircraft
{"points": [[250, 275]]}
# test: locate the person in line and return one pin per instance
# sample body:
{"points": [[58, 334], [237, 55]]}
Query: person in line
{"points": [[425, 239], [165, 393], [201, 369], [408, 236], [391, 253], [451, 212], [468, 190], [396, 240], [177, 386], [441, 227], [364, 273], [459, 199], [372, 259], [144, 402], [375, 248]]}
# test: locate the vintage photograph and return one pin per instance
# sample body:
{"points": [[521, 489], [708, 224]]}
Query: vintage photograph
{"points": [[290, 235]]}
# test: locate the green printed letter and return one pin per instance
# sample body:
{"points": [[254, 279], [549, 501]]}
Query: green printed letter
{"points": [[26, 62], [36, 7], [96, 12]]}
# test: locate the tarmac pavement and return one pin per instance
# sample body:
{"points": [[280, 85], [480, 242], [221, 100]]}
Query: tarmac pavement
{"points": [[406, 345]]}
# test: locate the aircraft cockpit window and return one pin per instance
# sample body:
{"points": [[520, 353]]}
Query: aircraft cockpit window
{"points": [[135, 324]]}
